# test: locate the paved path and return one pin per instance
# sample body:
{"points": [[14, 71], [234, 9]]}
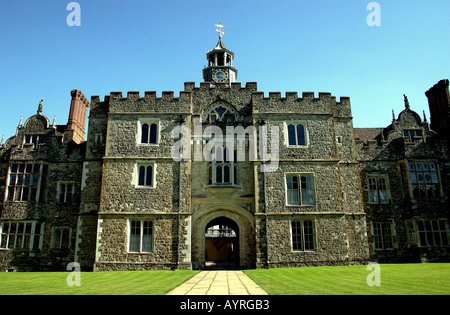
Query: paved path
{"points": [[222, 282]]}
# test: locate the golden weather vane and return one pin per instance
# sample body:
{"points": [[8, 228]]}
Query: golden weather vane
{"points": [[219, 29]]}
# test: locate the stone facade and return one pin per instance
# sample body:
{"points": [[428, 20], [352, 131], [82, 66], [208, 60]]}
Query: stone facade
{"points": [[126, 200], [41, 192], [413, 163]]}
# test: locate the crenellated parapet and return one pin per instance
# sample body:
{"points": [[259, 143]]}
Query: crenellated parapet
{"points": [[325, 104], [134, 102], [233, 94]]}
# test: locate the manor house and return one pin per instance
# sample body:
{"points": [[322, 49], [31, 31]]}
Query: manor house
{"points": [[121, 197]]}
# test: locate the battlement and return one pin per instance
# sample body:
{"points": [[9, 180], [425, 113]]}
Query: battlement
{"points": [[147, 103], [274, 102], [307, 104]]}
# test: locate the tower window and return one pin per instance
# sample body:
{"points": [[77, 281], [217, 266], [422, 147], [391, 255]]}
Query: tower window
{"points": [[299, 189], [221, 168], [148, 132], [296, 134], [146, 175], [140, 236]]}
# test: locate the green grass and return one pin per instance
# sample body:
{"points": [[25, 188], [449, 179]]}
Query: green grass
{"points": [[404, 279], [93, 283], [396, 279]]}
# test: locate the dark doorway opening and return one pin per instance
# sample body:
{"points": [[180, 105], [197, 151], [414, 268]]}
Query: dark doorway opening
{"points": [[222, 244]]}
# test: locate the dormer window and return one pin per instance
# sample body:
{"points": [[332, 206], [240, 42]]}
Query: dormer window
{"points": [[35, 140], [412, 134]]}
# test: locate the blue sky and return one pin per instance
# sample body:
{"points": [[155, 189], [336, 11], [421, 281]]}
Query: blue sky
{"points": [[284, 45]]}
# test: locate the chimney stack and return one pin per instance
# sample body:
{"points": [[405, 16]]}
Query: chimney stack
{"points": [[79, 106], [439, 103]]}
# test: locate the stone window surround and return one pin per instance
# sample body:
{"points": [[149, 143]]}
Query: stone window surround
{"points": [[303, 219], [388, 193], [135, 179], [12, 197], [36, 234], [58, 195], [304, 123], [129, 220], [33, 139], [59, 241], [299, 174], [410, 184], [432, 232], [392, 235], [149, 121], [227, 161]]}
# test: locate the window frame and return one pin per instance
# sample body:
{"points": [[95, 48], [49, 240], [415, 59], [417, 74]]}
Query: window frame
{"points": [[141, 234], [10, 238], [379, 234], [296, 123], [149, 122], [300, 190], [419, 189], [34, 139], [20, 182], [60, 239], [298, 241], [145, 164], [228, 160], [65, 184], [431, 232], [377, 190], [410, 135]]}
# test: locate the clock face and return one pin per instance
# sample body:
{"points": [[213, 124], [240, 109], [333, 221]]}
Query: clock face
{"points": [[220, 76]]}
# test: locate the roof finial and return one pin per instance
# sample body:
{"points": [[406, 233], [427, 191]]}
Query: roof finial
{"points": [[219, 29], [20, 122], [39, 111], [406, 101], [393, 115], [424, 117], [54, 122], [3, 138]]}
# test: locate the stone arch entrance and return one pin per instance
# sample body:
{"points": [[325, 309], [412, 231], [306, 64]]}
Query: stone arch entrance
{"points": [[222, 244], [236, 219]]}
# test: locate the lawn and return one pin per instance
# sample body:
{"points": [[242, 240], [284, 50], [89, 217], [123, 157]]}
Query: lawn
{"points": [[395, 279], [405, 279], [93, 283]]}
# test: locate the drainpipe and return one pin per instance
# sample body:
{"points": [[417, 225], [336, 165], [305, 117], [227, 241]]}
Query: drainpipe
{"points": [[181, 120], [262, 122], [266, 218]]}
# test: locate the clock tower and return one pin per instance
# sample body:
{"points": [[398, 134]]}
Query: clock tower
{"points": [[220, 63]]}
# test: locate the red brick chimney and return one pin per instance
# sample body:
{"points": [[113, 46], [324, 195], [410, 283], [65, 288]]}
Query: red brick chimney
{"points": [[439, 103], [75, 130]]}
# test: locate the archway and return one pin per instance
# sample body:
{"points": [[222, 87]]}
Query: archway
{"points": [[222, 244], [241, 221]]}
